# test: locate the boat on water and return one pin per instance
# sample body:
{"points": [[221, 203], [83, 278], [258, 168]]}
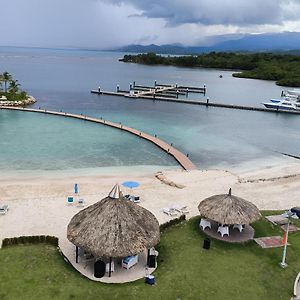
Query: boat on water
{"points": [[291, 93], [287, 103]]}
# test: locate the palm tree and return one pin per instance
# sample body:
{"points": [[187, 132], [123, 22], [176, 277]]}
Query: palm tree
{"points": [[6, 77], [14, 86]]}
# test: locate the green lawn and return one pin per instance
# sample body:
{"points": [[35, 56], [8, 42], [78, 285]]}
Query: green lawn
{"points": [[186, 271]]}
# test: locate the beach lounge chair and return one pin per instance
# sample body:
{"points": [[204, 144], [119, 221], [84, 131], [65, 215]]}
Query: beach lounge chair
{"points": [[204, 223], [80, 202], [129, 261], [170, 211], [4, 209], [183, 209], [70, 200]]}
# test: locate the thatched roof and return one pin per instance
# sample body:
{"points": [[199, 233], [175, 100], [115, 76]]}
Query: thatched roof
{"points": [[229, 209], [114, 227]]}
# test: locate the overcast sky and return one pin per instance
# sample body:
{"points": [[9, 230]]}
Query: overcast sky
{"points": [[109, 23]]}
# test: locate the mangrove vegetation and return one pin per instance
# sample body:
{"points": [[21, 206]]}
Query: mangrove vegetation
{"points": [[282, 68]]}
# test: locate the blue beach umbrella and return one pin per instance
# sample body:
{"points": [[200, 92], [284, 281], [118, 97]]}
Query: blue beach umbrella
{"points": [[76, 188], [130, 184]]}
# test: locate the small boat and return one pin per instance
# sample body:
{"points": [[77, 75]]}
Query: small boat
{"points": [[132, 94], [285, 104]]}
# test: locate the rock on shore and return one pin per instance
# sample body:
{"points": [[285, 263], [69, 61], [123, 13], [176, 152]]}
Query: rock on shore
{"points": [[28, 101]]}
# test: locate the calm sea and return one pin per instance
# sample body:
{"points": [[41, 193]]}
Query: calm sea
{"points": [[62, 80]]}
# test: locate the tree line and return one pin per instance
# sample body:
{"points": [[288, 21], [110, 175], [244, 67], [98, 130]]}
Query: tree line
{"points": [[283, 68]]}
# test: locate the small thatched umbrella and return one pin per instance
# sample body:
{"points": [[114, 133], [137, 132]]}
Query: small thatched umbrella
{"points": [[114, 227], [229, 209]]}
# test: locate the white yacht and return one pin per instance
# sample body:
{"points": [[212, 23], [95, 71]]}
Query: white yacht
{"points": [[287, 103], [295, 94]]}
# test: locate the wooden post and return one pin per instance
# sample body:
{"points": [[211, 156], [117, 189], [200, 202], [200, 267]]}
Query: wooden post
{"points": [[76, 254], [109, 273], [148, 257]]}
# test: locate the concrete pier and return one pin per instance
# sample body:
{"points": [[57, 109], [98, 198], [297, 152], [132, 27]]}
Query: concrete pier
{"points": [[167, 93], [182, 159]]}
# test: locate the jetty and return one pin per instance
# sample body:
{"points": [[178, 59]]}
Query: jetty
{"points": [[171, 93], [181, 158], [166, 91]]}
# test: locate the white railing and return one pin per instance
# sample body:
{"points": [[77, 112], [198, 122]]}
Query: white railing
{"points": [[296, 285]]}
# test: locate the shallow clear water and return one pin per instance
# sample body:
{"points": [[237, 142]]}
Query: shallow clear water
{"points": [[213, 137], [32, 141]]}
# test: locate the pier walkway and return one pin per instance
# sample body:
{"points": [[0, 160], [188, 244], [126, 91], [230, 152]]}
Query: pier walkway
{"points": [[170, 93], [182, 159]]}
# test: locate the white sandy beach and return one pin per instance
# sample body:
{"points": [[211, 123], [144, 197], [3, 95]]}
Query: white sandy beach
{"points": [[38, 205]]}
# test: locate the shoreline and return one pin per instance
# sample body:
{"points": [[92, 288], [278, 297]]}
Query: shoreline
{"points": [[6, 103], [40, 204]]}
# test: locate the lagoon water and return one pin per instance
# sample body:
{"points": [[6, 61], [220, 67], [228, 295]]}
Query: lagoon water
{"points": [[62, 80]]}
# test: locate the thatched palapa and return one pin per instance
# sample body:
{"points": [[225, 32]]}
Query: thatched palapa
{"points": [[229, 209], [114, 227]]}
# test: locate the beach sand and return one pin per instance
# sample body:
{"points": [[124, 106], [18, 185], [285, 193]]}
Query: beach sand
{"points": [[38, 204]]}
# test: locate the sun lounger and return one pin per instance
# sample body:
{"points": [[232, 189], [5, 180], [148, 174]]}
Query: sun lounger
{"points": [[183, 209], [133, 198], [4, 209], [129, 261], [80, 202], [70, 200], [170, 211]]}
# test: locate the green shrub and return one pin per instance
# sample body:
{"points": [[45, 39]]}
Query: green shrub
{"points": [[52, 240]]}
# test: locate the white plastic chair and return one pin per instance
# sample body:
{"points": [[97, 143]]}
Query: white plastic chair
{"points": [[204, 223], [4, 209], [223, 230], [238, 226]]}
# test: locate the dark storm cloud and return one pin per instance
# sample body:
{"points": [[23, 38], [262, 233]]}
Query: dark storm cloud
{"points": [[216, 12]]}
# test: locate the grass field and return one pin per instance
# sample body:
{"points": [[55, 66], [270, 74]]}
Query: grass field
{"points": [[185, 271]]}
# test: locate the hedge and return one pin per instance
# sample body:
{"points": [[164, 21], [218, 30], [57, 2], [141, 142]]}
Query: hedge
{"points": [[52, 240]]}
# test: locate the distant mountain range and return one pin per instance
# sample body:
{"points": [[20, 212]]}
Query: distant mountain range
{"points": [[285, 41]]}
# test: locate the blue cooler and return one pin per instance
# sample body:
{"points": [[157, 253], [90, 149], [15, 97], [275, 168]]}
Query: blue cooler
{"points": [[150, 279]]}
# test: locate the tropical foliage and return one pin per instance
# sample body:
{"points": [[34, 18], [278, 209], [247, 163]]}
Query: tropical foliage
{"points": [[10, 88], [283, 68]]}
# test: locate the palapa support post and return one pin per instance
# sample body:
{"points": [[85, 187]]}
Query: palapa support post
{"points": [[76, 259], [148, 257], [109, 273]]}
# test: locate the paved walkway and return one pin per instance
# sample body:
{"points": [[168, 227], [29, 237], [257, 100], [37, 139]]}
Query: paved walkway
{"points": [[182, 159]]}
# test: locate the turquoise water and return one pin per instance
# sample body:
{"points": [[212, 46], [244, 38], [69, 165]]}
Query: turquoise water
{"points": [[213, 137], [32, 141]]}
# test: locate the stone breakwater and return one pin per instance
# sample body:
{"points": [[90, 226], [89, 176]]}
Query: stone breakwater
{"points": [[28, 101]]}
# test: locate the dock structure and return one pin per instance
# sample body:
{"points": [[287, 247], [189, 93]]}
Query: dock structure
{"points": [[158, 90], [170, 93], [181, 158]]}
